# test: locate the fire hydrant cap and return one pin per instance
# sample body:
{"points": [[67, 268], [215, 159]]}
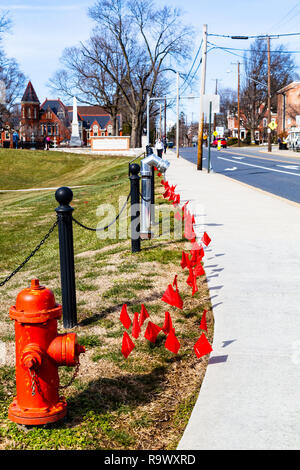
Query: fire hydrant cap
{"points": [[35, 303]]}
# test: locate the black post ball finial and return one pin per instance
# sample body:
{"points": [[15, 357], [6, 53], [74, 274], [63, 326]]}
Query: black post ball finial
{"points": [[64, 195], [134, 169]]}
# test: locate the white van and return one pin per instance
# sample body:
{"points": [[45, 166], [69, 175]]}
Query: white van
{"points": [[293, 139]]}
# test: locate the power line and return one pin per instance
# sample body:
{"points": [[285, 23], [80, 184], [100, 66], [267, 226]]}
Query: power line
{"points": [[198, 52], [253, 50], [285, 17], [253, 37]]}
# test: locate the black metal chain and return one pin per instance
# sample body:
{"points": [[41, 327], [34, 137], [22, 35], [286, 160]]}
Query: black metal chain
{"points": [[30, 256], [111, 223]]}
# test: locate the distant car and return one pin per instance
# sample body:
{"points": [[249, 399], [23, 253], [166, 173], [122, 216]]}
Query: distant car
{"points": [[170, 145], [223, 143]]}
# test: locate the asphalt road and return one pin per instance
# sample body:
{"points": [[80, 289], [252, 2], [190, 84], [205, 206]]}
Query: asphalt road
{"points": [[276, 174]]}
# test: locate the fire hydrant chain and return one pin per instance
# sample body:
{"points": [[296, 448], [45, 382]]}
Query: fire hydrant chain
{"points": [[35, 384], [63, 387], [32, 376]]}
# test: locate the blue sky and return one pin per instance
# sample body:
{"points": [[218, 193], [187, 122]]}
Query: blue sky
{"points": [[42, 29]]}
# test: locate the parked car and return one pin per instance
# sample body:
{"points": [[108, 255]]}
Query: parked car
{"points": [[170, 144], [223, 143], [293, 139]]}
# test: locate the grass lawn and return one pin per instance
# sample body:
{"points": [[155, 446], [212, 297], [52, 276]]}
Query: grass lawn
{"points": [[143, 402]]}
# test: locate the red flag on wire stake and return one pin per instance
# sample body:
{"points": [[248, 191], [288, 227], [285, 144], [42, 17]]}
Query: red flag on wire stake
{"points": [[203, 323], [206, 239], [143, 315], [192, 281], [136, 329], [167, 326], [152, 331], [199, 270], [185, 261], [172, 343], [202, 346], [172, 297], [124, 317], [127, 345]]}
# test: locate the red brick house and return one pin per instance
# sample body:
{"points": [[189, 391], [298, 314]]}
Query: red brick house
{"points": [[52, 118], [288, 107]]}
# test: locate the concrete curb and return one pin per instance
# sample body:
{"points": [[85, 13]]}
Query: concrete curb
{"points": [[249, 398]]}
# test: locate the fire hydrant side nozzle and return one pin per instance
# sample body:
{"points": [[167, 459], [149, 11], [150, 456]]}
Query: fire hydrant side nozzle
{"points": [[40, 350]]}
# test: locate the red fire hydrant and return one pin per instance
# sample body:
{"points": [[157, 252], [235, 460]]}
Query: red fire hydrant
{"points": [[39, 352]]}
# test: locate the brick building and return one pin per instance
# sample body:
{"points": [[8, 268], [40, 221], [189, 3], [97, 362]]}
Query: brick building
{"points": [[288, 107], [54, 119]]}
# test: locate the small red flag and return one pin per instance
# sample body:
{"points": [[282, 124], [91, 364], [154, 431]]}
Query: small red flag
{"points": [[202, 346], [143, 315], [172, 343], [136, 329], [127, 345], [192, 281], [203, 324], [124, 317], [184, 206], [205, 239], [152, 331], [172, 297], [172, 196], [199, 271], [185, 261], [167, 326]]}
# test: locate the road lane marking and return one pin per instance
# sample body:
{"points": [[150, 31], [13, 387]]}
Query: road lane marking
{"points": [[238, 158], [259, 166], [230, 169], [245, 155], [289, 167]]}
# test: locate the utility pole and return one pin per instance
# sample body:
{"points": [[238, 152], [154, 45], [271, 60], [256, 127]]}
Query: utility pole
{"points": [[269, 97], [202, 93], [165, 118], [177, 124], [215, 114], [239, 113], [160, 126], [148, 119]]}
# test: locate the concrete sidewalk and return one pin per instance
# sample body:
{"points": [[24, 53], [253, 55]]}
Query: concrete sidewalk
{"points": [[250, 396]]}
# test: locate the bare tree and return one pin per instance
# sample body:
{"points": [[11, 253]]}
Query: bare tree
{"points": [[228, 103], [254, 90], [11, 78], [131, 48]]}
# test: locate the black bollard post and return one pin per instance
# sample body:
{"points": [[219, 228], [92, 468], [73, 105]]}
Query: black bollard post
{"points": [[64, 196], [134, 177]]}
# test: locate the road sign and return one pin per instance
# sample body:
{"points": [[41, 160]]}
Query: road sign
{"points": [[272, 125], [215, 100], [215, 133]]}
